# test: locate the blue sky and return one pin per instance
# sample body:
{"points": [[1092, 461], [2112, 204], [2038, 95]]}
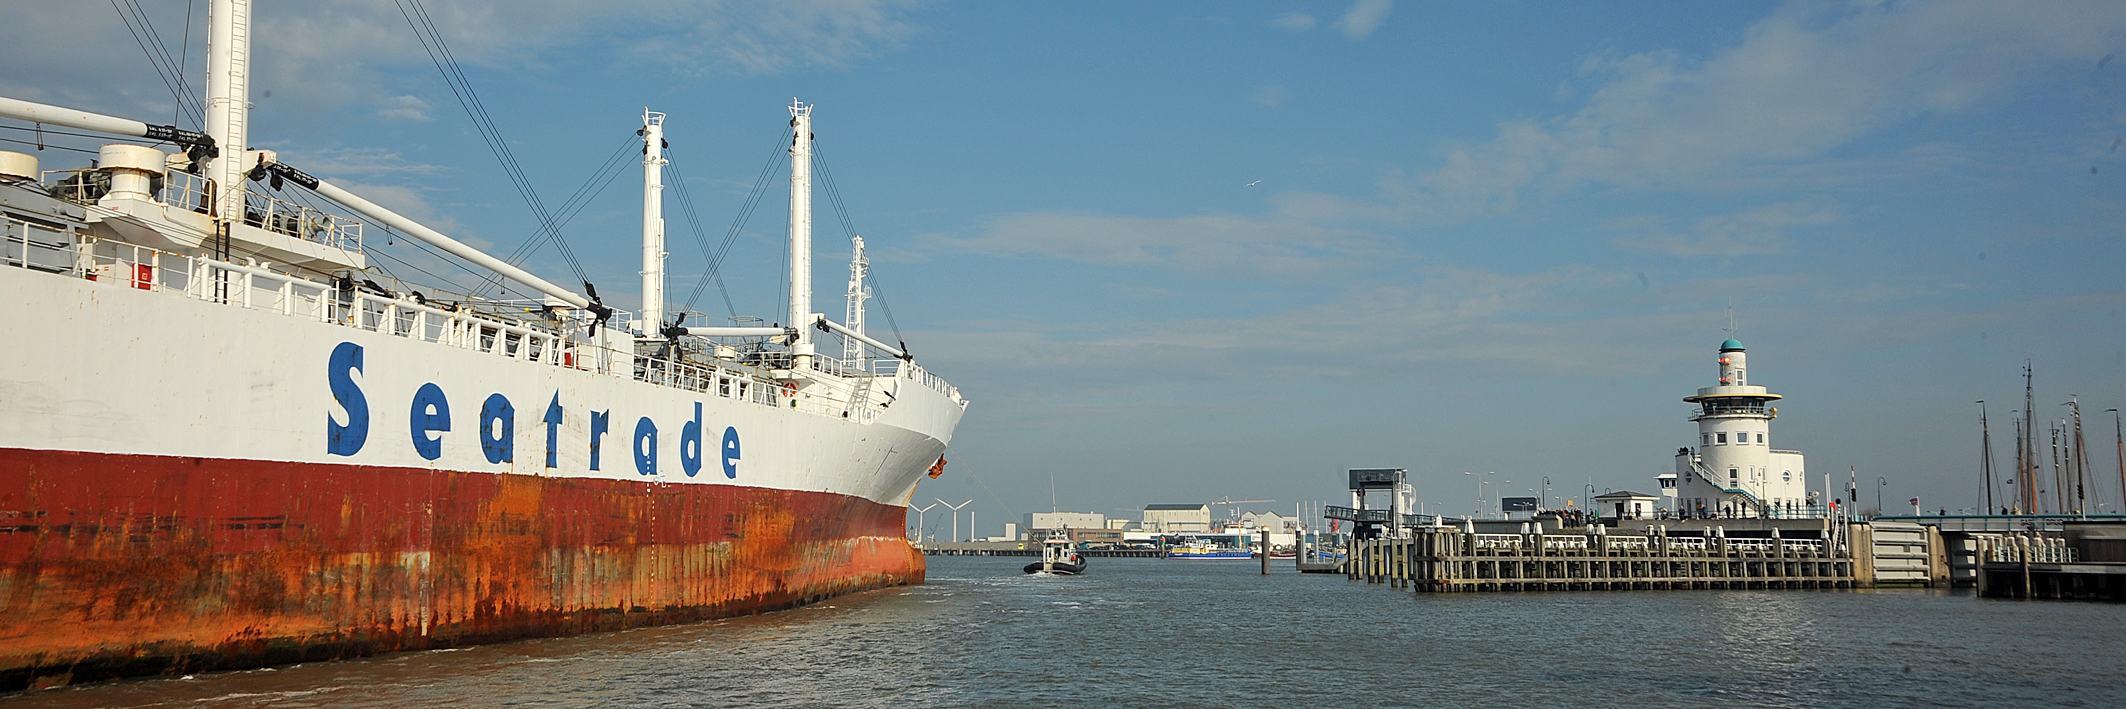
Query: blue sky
{"points": [[1487, 237]]}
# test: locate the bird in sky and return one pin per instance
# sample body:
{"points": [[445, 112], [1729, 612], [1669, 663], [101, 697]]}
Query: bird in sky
{"points": [[1252, 184]]}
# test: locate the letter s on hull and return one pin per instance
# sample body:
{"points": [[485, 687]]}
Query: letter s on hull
{"points": [[347, 439]]}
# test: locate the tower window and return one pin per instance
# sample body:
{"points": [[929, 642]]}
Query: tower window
{"points": [[1732, 474], [1760, 438], [1708, 439], [1786, 476], [1721, 437]]}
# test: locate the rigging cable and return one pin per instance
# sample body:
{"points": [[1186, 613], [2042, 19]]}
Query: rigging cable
{"points": [[576, 202], [184, 54], [136, 24], [41, 146], [713, 259], [461, 87], [777, 153], [834, 196]]}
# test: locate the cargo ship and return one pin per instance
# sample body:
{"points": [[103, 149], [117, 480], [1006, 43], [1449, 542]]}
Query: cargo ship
{"points": [[227, 441]]}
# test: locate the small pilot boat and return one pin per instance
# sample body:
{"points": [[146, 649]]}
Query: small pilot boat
{"points": [[1058, 557]]}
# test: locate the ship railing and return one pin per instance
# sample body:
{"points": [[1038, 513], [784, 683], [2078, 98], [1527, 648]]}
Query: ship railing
{"points": [[290, 219], [120, 264], [707, 379], [83, 185], [41, 248], [256, 288], [878, 363], [2036, 554], [186, 191]]}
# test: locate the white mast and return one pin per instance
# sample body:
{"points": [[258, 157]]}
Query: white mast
{"points": [[801, 234], [852, 348], [652, 221], [228, 100]]}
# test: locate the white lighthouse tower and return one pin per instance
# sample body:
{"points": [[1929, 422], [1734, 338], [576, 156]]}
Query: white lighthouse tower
{"points": [[1733, 471]]}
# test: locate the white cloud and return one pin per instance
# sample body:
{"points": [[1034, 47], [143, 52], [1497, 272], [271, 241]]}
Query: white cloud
{"points": [[1757, 231], [327, 54], [1364, 17], [1772, 110], [406, 108], [766, 38], [368, 162], [1202, 244], [1271, 95], [1293, 21]]}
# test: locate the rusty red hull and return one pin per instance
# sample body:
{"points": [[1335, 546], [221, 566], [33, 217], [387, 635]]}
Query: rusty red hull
{"points": [[115, 565]]}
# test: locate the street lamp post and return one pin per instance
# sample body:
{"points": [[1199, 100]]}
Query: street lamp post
{"points": [[1546, 492], [1479, 493], [1880, 483]]}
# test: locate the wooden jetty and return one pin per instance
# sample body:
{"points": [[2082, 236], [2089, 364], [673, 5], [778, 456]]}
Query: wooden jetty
{"points": [[1451, 560]]}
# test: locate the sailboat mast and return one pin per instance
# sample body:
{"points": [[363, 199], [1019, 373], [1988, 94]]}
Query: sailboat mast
{"points": [[801, 235], [2079, 457], [1985, 458], [2028, 473], [229, 101], [652, 221]]}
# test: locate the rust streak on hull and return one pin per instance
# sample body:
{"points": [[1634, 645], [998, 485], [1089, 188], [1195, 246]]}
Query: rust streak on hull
{"points": [[115, 565]]}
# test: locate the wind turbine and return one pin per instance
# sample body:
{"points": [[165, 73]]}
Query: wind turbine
{"points": [[956, 517], [919, 511]]}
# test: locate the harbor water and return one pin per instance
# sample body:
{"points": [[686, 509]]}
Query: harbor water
{"points": [[1148, 632]]}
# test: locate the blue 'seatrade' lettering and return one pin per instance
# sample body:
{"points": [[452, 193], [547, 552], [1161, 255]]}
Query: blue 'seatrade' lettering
{"points": [[428, 418], [498, 429], [431, 412], [646, 447], [690, 444], [553, 432], [347, 439], [730, 452], [600, 420]]}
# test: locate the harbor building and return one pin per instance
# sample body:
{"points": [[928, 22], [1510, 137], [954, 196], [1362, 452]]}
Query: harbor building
{"points": [[1733, 470], [1625, 504], [1041, 522], [1175, 518]]}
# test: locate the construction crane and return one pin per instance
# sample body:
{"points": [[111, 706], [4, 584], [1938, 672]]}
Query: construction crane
{"points": [[1228, 501]]}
